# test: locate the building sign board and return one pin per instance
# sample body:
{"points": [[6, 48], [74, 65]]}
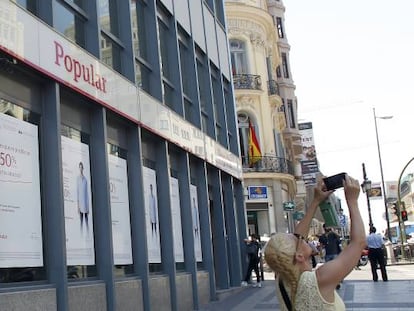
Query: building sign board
{"points": [[289, 206], [39, 46], [257, 192]]}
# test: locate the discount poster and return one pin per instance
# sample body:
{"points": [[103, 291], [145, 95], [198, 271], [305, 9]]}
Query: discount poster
{"points": [[176, 220], [77, 203], [121, 224], [196, 223], [151, 215], [20, 205]]}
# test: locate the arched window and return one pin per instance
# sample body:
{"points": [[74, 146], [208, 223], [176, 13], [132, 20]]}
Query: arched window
{"points": [[238, 57]]}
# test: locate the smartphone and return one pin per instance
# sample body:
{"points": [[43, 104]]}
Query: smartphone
{"points": [[335, 181]]}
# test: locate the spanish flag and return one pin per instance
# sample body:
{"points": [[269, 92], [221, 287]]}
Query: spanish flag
{"points": [[254, 149]]}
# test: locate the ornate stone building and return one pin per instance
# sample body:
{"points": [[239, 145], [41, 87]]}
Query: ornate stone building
{"points": [[267, 106]]}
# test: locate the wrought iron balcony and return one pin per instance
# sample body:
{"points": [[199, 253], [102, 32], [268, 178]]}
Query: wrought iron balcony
{"points": [[272, 87], [267, 164], [247, 81]]}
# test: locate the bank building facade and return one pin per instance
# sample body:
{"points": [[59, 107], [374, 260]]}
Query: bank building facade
{"points": [[120, 171]]}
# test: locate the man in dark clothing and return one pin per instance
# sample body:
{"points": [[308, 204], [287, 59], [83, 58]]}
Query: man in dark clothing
{"points": [[376, 254], [252, 249], [331, 242]]}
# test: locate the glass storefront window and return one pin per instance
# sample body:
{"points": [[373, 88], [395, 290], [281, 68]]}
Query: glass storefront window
{"points": [[120, 213], [78, 209], [153, 230], [176, 215], [21, 252]]}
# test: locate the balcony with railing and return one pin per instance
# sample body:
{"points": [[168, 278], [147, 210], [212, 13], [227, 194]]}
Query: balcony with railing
{"points": [[268, 164], [247, 82]]}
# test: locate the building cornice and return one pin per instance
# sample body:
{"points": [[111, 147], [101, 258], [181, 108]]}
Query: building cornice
{"points": [[253, 23]]}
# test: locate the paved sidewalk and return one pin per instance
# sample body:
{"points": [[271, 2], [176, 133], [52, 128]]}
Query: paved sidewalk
{"points": [[358, 291]]}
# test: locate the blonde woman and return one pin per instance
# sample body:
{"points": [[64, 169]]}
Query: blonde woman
{"points": [[297, 286]]}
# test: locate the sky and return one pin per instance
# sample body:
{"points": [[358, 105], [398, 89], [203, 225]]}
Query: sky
{"points": [[346, 58]]}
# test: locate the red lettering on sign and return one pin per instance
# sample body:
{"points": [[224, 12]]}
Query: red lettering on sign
{"points": [[79, 71]]}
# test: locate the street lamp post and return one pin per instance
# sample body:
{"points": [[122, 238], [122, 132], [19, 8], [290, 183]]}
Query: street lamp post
{"points": [[387, 218], [366, 187]]}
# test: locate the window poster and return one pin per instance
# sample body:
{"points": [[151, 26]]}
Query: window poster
{"points": [[77, 203], [151, 215], [20, 204], [121, 225], [196, 223], [176, 220]]}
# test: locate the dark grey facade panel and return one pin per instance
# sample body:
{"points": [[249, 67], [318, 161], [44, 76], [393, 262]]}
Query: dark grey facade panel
{"points": [[223, 52], [197, 23], [211, 38]]}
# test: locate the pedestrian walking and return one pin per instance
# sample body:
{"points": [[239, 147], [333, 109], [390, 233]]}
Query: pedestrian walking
{"points": [[252, 249], [375, 244], [331, 242]]}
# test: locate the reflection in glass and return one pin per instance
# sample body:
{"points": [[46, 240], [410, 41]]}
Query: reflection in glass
{"points": [[141, 76], [107, 10], [138, 74], [167, 93], [138, 26], [71, 132], [69, 23], [29, 5], [13, 110], [81, 272], [138, 29], [104, 16], [189, 111], [106, 50], [27, 274], [110, 53], [163, 47]]}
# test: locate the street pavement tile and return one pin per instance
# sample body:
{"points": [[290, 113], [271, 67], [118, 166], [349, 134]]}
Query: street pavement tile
{"points": [[358, 291]]}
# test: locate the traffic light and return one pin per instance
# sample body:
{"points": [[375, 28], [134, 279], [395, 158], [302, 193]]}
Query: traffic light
{"points": [[404, 216]]}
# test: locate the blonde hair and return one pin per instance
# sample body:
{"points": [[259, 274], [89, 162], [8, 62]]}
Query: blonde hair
{"points": [[279, 253]]}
